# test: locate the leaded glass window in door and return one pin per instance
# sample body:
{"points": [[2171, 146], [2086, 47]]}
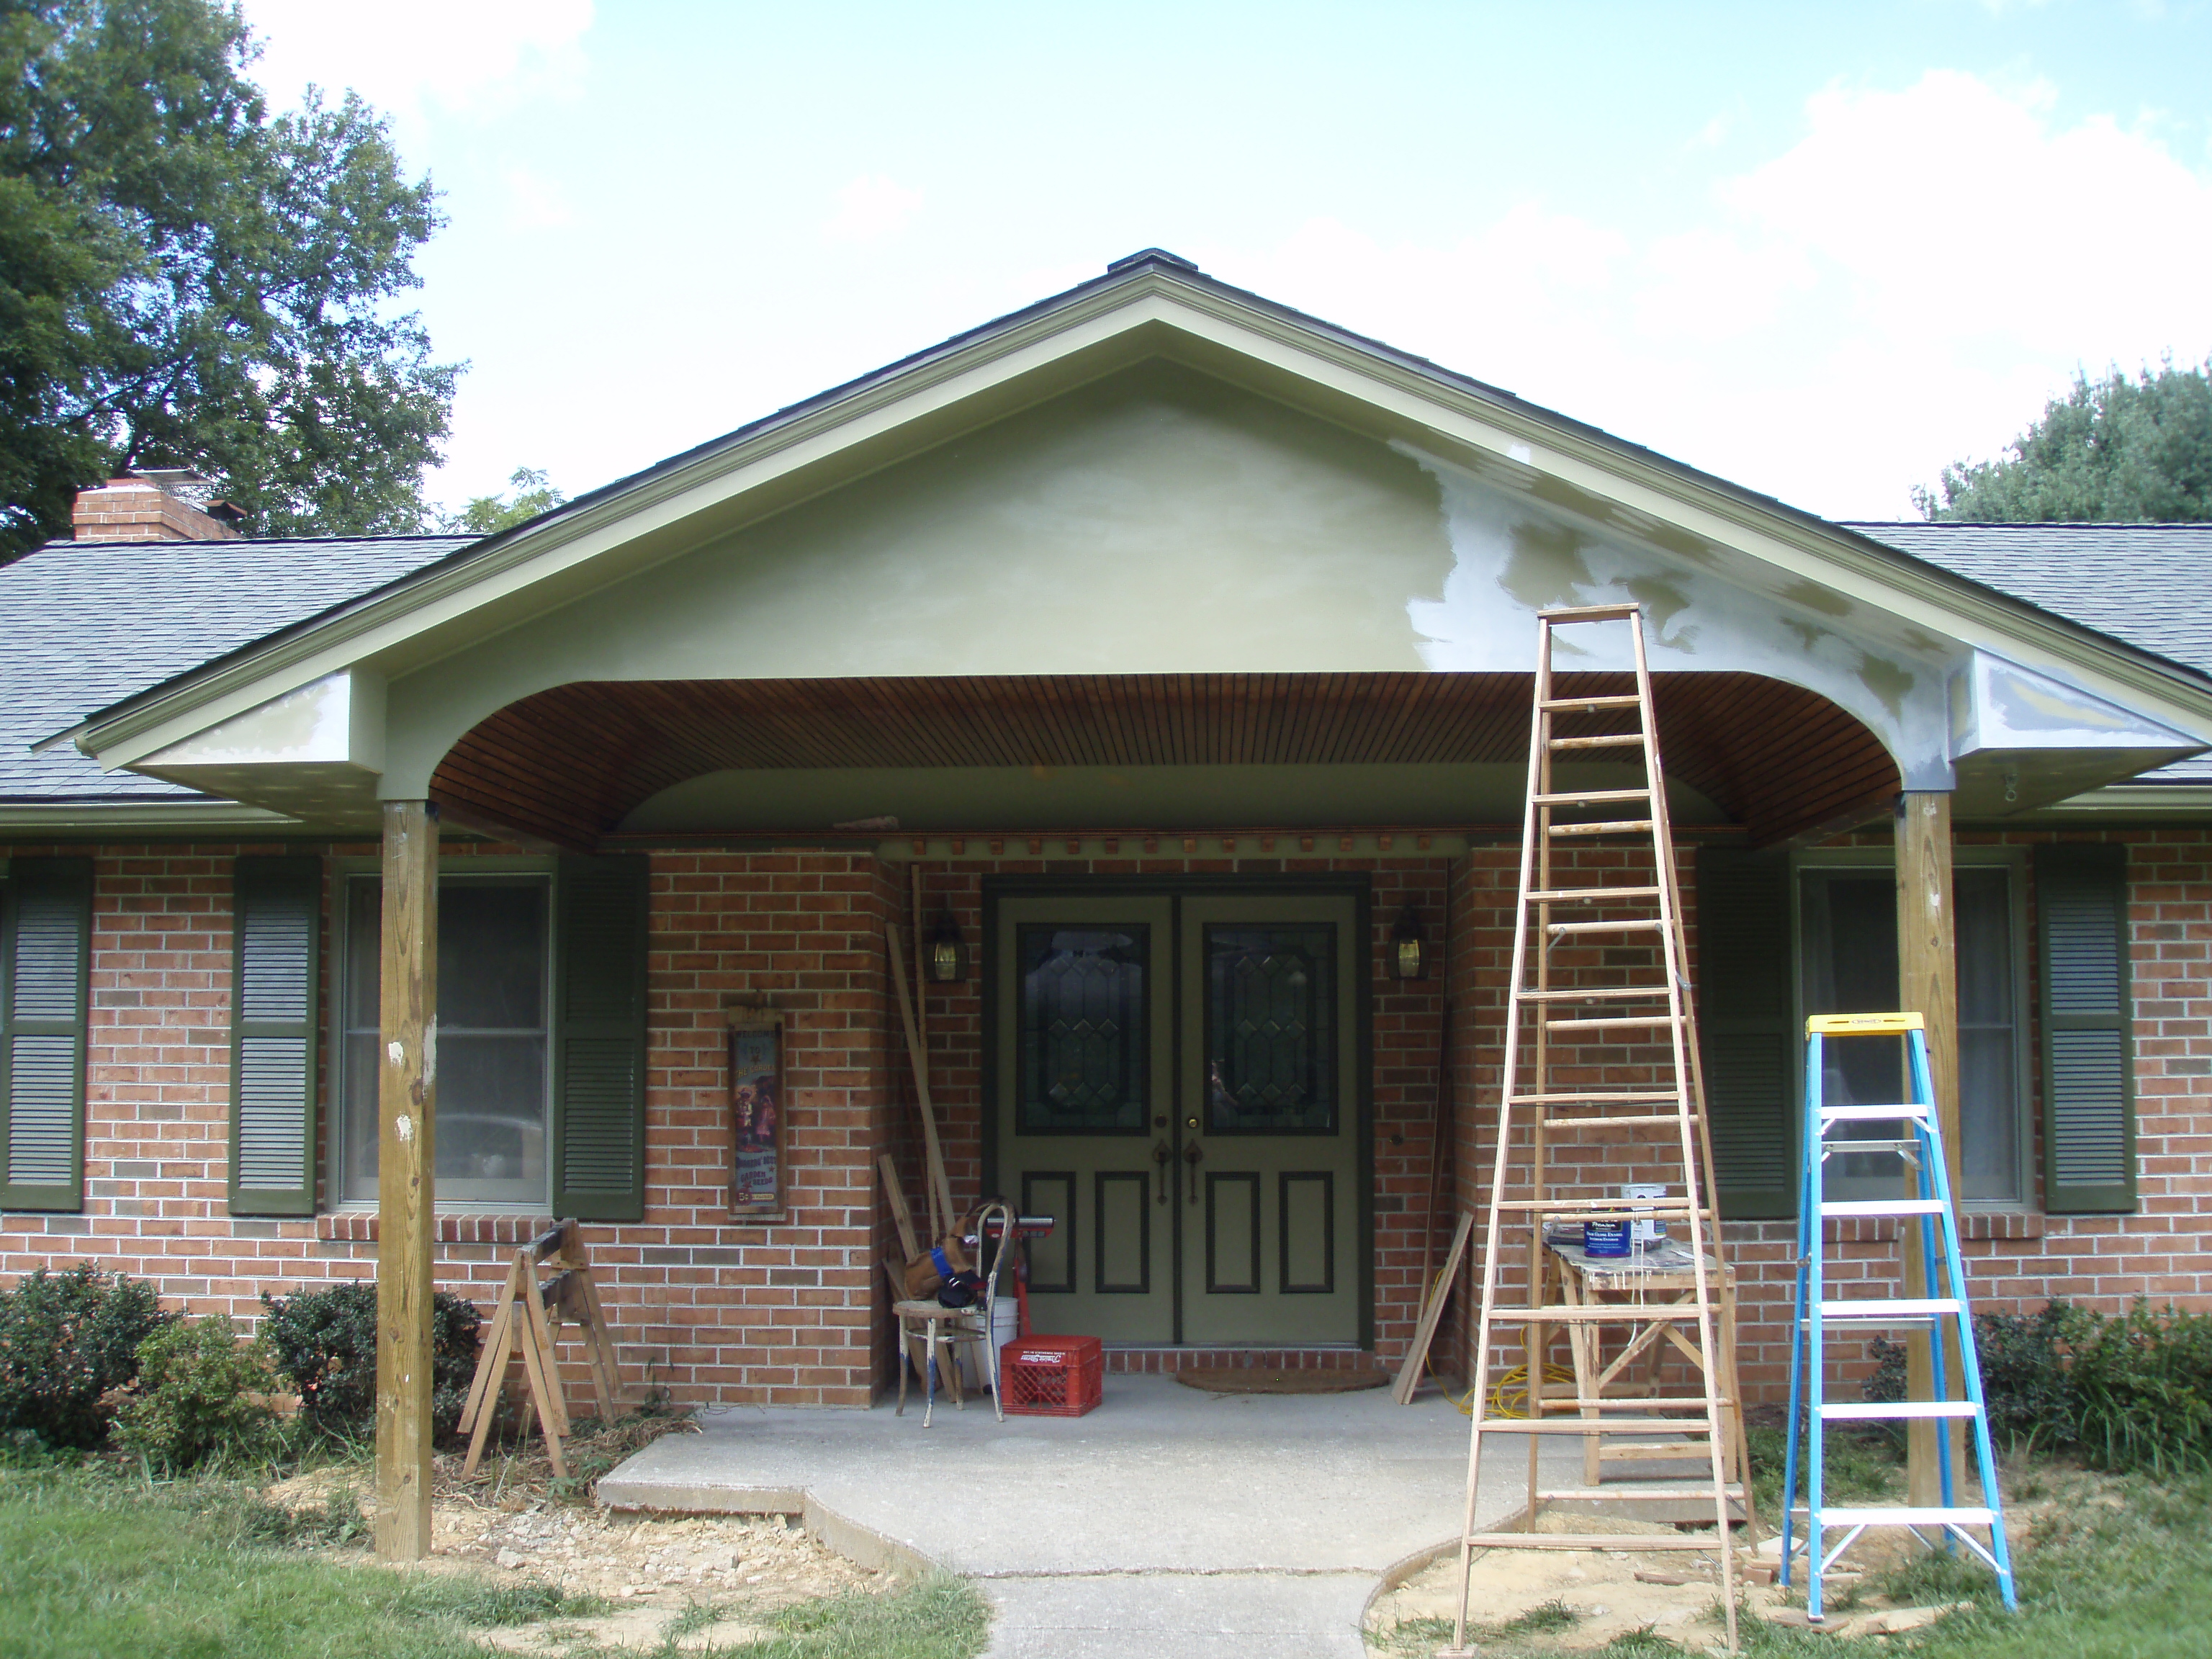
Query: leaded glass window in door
{"points": [[1271, 1030], [1082, 1049]]}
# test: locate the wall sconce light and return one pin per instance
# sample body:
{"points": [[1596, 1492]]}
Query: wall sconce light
{"points": [[948, 955], [1408, 957]]}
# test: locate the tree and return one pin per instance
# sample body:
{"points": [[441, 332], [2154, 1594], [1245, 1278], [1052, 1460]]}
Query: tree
{"points": [[185, 282], [487, 515], [2115, 450]]}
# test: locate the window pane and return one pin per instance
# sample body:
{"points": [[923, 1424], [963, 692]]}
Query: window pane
{"points": [[1988, 1090], [1850, 927], [492, 1048], [1270, 1030], [1083, 1046]]}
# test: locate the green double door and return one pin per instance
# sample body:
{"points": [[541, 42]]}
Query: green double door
{"points": [[1177, 1082]]}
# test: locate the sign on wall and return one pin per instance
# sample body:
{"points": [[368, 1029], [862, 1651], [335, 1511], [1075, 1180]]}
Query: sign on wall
{"points": [[757, 1107]]}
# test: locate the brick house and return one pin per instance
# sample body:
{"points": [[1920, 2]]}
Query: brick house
{"points": [[1161, 654]]}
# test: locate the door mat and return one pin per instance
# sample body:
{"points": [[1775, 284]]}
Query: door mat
{"points": [[1269, 1379]]}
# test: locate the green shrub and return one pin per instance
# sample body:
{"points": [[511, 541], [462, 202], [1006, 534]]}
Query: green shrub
{"points": [[201, 1394], [2024, 1380], [2142, 1386], [324, 1341], [65, 1340]]}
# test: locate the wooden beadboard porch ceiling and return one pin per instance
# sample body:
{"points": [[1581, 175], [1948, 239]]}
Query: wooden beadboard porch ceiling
{"points": [[569, 763]]}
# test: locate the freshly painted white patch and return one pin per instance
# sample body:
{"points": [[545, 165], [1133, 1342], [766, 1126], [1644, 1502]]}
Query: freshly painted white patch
{"points": [[336, 718], [404, 1127], [1998, 705], [396, 1052]]}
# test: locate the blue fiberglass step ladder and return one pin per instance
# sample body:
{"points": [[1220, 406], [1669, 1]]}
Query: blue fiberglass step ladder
{"points": [[1919, 1142]]}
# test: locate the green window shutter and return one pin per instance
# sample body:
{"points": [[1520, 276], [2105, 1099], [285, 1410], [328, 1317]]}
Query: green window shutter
{"points": [[45, 951], [277, 907], [598, 1039], [2088, 1047], [1745, 1029]]}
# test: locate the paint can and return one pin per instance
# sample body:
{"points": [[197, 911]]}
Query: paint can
{"points": [[1606, 1238], [1644, 1232]]}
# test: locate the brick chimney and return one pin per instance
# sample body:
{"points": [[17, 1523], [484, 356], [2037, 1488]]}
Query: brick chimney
{"points": [[154, 506]]}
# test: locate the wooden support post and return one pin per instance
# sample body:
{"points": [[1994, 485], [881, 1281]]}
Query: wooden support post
{"points": [[406, 1217], [1928, 984]]}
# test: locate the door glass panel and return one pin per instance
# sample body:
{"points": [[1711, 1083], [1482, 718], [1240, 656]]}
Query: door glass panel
{"points": [[1271, 1030], [1082, 1046]]}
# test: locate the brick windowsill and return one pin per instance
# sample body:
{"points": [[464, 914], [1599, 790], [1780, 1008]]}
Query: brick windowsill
{"points": [[359, 1227]]}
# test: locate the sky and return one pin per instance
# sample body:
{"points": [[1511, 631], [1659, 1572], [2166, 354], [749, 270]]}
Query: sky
{"points": [[1819, 249]]}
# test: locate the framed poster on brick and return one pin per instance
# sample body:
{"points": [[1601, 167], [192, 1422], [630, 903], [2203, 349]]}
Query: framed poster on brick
{"points": [[756, 1071]]}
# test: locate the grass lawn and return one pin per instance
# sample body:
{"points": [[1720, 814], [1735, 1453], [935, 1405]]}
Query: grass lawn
{"points": [[96, 1566]]}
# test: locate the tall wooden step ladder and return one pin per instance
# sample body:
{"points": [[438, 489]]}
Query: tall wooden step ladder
{"points": [[1919, 1142], [1548, 1104]]}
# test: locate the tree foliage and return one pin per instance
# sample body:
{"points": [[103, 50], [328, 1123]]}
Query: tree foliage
{"points": [[2115, 450], [188, 281], [487, 515]]}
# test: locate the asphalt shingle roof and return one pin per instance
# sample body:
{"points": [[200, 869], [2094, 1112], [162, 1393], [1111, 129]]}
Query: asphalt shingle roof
{"points": [[85, 624], [2147, 585]]}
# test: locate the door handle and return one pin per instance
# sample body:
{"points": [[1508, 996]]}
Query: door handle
{"points": [[1161, 1157], [1192, 1154]]}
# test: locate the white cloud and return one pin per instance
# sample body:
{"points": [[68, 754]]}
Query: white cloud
{"points": [[535, 202], [870, 209], [476, 57], [1905, 285]]}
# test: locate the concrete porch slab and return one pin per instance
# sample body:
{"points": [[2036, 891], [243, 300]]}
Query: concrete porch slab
{"points": [[1192, 1522]]}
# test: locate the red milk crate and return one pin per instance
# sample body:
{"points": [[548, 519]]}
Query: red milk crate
{"points": [[1051, 1376]]}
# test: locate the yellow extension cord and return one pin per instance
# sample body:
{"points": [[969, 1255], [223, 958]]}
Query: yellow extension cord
{"points": [[1509, 1395]]}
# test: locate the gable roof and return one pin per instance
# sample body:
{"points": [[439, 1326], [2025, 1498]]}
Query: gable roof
{"points": [[90, 623]]}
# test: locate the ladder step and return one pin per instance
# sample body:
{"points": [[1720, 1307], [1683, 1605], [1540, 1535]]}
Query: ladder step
{"points": [[1623, 699], [1618, 1096], [1596, 993], [1664, 1209], [1590, 895], [1606, 740], [1587, 613], [1619, 827], [1630, 1402], [1616, 1023], [1905, 1517], [1595, 1425], [1589, 797], [1633, 1543], [1882, 1206], [1630, 1491], [1907, 1113], [1600, 1313], [1929, 1307], [1890, 1410], [1630, 924], [1640, 1120]]}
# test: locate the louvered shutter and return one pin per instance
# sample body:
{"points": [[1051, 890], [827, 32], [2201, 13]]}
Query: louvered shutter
{"points": [[2088, 1070], [275, 957], [598, 1040], [46, 950], [1745, 1028]]}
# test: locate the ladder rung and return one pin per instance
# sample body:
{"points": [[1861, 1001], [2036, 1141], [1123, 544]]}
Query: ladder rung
{"points": [[1589, 613], [1618, 827], [1929, 1307], [1904, 1517], [1903, 1113], [1854, 1147], [1665, 1209], [1590, 797], [1878, 1410], [1596, 993], [1622, 699], [1600, 1313], [1882, 1206], [1632, 1543], [1604, 740], [1640, 1120], [1626, 1403], [1628, 925], [1647, 1495], [1616, 1023], [1595, 1425], [1590, 894], [1621, 1097]]}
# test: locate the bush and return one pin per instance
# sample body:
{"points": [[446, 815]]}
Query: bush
{"points": [[201, 1394], [324, 1341], [65, 1340], [2025, 1382], [2142, 1386]]}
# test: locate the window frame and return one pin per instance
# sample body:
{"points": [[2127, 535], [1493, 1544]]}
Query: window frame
{"points": [[2014, 861], [491, 867]]}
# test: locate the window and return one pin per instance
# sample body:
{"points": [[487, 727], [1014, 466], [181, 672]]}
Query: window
{"points": [[494, 1056], [1847, 963]]}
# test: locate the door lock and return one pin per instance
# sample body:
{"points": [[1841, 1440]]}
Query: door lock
{"points": [[1192, 1154], [1161, 1157]]}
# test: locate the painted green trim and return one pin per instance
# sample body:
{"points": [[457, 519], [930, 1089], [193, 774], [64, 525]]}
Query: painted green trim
{"points": [[296, 882], [68, 881], [2097, 873]]}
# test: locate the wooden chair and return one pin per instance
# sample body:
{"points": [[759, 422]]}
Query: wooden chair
{"points": [[941, 1331]]}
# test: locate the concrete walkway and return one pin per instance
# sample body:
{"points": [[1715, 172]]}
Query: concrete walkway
{"points": [[1168, 1523]]}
